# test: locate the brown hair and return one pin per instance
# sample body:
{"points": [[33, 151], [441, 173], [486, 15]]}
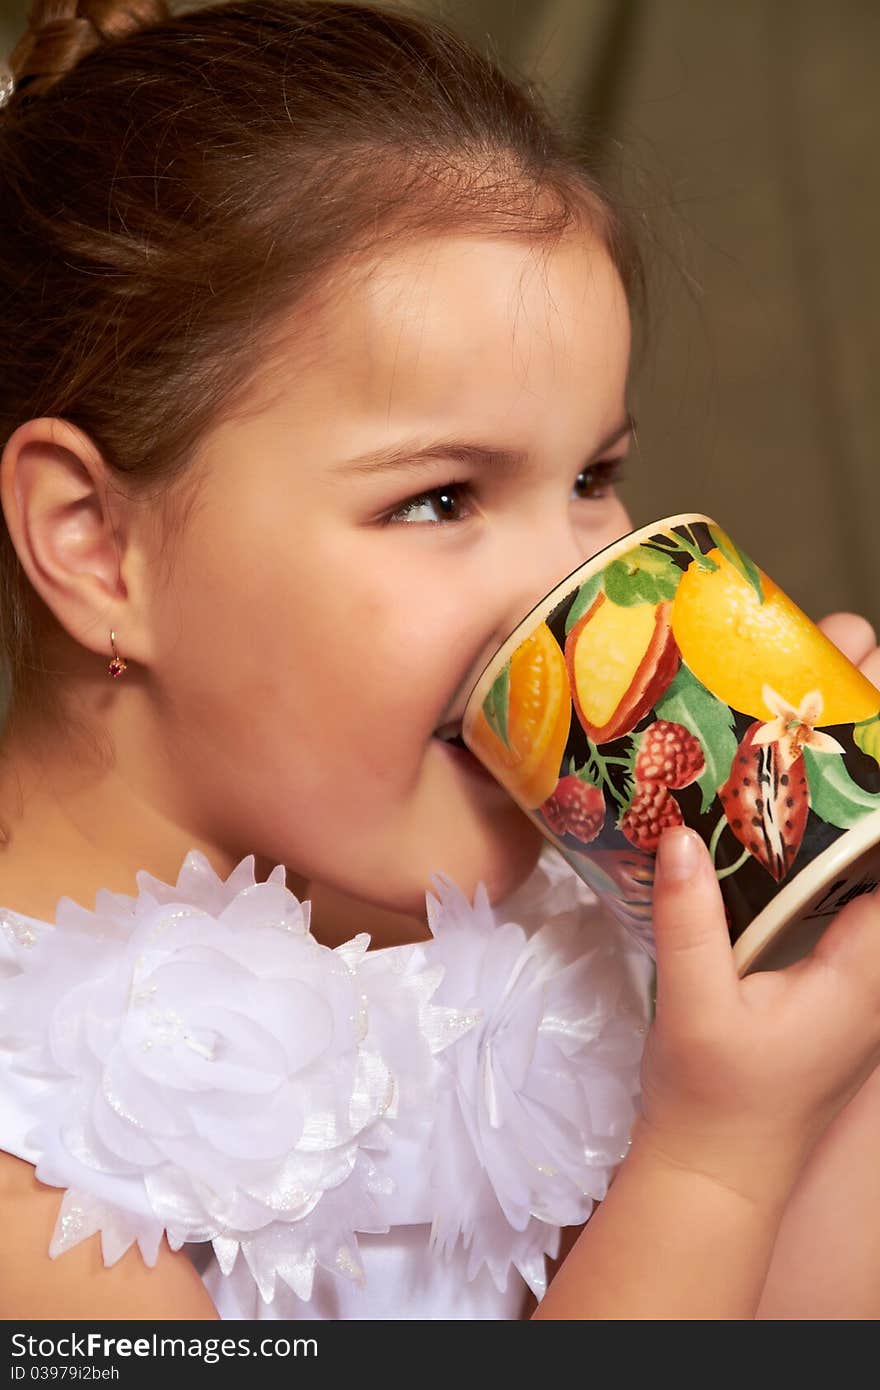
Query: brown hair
{"points": [[171, 184]]}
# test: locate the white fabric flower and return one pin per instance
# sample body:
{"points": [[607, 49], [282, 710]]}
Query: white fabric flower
{"points": [[199, 1037], [192, 1061], [540, 1094]]}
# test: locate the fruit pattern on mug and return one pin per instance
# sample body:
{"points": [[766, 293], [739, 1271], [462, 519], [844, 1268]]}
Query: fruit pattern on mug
{"points": [[694, 690], [523, 727]]}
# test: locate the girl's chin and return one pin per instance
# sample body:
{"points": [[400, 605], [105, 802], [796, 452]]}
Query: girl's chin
{"points": [[397, 915], [502, 857], [465, 841]]}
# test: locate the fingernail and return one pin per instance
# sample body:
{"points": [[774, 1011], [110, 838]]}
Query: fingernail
{"points": [[678, 854]]}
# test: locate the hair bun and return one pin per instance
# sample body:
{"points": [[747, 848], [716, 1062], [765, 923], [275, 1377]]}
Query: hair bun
{"points": [[60, 32]]}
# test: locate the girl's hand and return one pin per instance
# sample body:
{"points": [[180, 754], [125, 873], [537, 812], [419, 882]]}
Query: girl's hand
{"points": [[856, 639], [740, 1077]]}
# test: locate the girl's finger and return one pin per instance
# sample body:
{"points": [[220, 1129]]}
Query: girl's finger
{"points": [[694, 959], [853, 634], [851, 946], [870, 667]]}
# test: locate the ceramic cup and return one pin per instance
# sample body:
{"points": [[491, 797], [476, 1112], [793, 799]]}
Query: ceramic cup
{"points": [[669, 681]]}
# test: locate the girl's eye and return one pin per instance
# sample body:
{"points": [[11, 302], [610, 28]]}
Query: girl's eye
{"points": [[596, 481], [450, 502], [440, 504]]}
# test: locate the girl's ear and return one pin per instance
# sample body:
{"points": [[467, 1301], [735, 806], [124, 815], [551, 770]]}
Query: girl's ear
{"points": [[73, 546]]}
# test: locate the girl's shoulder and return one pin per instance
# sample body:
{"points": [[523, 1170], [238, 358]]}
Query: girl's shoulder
{"points": [[191, 1063], [81, 1286]]}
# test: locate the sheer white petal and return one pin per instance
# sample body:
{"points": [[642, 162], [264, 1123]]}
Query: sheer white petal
{"points": [[195, 1053]]}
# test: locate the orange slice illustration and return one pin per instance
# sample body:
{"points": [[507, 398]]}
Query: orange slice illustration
{"points": [[538, 721]]}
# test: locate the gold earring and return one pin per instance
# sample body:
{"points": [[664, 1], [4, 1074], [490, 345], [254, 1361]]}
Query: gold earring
{"points": [[117, 665]]}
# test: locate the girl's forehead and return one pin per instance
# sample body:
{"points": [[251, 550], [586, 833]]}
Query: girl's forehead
{"points": [[463, 317]]}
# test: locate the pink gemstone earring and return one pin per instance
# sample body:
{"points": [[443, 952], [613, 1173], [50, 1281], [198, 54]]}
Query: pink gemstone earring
{"points": [[117, 665]]}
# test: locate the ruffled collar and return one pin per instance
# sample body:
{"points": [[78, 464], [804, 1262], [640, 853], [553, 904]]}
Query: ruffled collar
{"points": [[203, 1068]]}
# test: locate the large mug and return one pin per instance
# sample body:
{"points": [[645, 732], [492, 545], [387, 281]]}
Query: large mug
{"points": [[669, 681]]}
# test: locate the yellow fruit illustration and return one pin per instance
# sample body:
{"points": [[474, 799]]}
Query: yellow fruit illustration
{"points": [[538, 721], [620, 660], [736, 645]]}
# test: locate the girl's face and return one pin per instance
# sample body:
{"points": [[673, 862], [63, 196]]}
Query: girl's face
{"points": [[435, 451]]}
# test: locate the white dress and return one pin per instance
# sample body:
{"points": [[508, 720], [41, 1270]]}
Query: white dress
{"points": [[327, 1133]]}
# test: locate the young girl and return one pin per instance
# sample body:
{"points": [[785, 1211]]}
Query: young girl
{"points": [[315, 347]]}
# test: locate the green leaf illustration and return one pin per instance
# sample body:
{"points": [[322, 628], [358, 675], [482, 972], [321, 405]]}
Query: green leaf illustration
{"points": [[586, 597], [834, 796], [738, 558], [641, 576], [688, 702], [495, 706], [867, 737]]}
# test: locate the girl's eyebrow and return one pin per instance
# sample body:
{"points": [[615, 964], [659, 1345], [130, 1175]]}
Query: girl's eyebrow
{"points": [[406, 457]]}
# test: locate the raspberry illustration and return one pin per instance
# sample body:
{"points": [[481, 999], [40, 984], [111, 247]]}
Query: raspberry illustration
{"points": [[653, 810], [671, 754], [576, 808]]}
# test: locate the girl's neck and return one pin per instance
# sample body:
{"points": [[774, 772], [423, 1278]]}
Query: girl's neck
{"points": [[69, 831], [61, 838], [337, 918]]}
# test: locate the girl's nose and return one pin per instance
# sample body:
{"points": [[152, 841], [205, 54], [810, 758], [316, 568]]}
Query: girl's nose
{"points": [[542, 560], [526, 566]]}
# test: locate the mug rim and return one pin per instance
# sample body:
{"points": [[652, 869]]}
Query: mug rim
{"points": [[545, 605], [785, 909]]}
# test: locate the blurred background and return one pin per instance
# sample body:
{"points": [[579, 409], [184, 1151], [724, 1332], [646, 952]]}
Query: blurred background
{"points": [[744, 132]]}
